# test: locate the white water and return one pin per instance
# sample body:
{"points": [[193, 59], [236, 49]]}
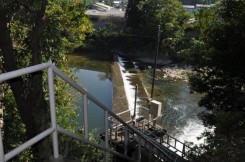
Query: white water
{"points": [[187, 133], [191, 131], [129, 89]]}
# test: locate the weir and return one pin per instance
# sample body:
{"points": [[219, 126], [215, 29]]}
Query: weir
{"points": [[144, 122]]}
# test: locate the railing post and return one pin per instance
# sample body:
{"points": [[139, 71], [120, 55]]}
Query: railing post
{"points": [[85, 115], [183, 150], [149, 151], [106, 136], [175, 141], [1, 148], [168, 139], [126, 141], [53, 112], [116, 131], [139, 150], [111, 129]]}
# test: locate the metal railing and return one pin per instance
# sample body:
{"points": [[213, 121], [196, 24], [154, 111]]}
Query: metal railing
{"points": [[175, 145], [54, 128]]}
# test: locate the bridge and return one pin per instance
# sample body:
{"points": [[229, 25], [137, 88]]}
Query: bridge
{"points": [[127, 141]]}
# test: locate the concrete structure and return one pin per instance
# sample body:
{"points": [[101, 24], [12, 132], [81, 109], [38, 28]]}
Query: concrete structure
{"points": [[101, 7], [200, 6], [195, 8], [94, 13], [190, 8]]}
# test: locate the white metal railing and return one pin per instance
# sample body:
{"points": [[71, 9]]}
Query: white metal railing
{"points": [[54, 129]]}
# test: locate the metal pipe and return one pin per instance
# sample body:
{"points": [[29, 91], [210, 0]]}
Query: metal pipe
{"points": [[53, 112], [106, 135], [20, 72], [155, 62], [139, 150], [116, 132], [135, 101], [29, 143], [1, 148], [122, 112], [183, 151], [126, 137], [149, 152], [85, 115]]}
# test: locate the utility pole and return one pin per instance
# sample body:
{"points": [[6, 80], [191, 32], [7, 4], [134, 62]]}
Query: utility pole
{"points": [[155, 63]]}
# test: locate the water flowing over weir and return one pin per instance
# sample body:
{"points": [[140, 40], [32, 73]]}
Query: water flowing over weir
{"points": [[129, 79], [179, 107]]}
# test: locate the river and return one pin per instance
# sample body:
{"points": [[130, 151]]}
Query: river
{"points": [[179, 107], [94, 76]]}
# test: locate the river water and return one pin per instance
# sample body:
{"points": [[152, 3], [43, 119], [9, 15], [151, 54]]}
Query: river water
{"points": [[93, 75], [179, 107]]}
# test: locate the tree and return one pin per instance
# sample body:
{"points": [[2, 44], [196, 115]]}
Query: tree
{"points": [[143, 18], [221, 79], [33, 32]]}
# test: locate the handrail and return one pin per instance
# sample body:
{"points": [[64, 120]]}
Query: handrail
{"points": [[52, 69], [24, 71], [27, 144], [92, 98]]}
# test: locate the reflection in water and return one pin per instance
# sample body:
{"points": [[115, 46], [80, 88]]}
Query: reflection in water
{"points": [[94, 76]]}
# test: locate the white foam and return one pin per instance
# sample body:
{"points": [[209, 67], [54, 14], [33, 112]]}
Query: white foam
{"points": [[190, 132]]}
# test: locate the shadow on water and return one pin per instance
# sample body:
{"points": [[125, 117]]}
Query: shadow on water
{"points": [[92, 61]]}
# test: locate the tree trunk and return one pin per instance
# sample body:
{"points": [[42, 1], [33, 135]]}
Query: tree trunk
{"points": [[30, 99]]}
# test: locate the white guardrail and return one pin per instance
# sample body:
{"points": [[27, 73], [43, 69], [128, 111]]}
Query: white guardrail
{"points": [[54, 129]]}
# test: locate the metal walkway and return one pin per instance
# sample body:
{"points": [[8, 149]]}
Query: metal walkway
{"points": [[123, 139], [131, 134]]}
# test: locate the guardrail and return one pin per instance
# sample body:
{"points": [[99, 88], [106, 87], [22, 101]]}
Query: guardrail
{"points": [[177, 146], [54, 129]]}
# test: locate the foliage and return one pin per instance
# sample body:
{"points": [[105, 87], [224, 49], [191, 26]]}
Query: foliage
{"points": [[73, 149], [109, 2], [143, 18], [70, 23], [14, 128], [204, 19], [195, 54], [33, 32], [221, 78]]}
